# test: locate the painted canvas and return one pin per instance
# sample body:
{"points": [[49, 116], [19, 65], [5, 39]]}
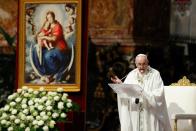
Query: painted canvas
{"points": [[50, 39]]}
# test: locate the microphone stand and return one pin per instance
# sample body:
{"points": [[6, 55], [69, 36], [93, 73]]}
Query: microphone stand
{"points": [[137, 101]]}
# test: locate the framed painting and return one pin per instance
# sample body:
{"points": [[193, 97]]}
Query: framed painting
{"points": [[49, 47]]}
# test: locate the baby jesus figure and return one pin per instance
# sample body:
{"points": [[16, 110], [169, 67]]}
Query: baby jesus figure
{"points": [[45, 31]]}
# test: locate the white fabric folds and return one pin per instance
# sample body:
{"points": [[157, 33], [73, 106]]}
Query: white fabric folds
{"points": [[154, 116]]}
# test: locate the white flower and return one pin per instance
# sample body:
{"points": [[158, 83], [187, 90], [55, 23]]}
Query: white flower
{"points": [[27, 129], [29, 118], [18, 99], [4, 115], [49, 92], [30, 90], [6, 108], [44, 98], [60, 105], [30, 102], [36, 126], [35, 122], [35, 113], [52, 93], [12, 103], [49, 108], [45, 117], [36, 100], [51, 124], [51, 98], [63, 115], [26, 94], [32, 108], [35, 92], [17, 121], [56, 98], [3, 122], [65, 94], [10, 97], [14, 111], [60, 89], [40, 107], [24, 106], [29, 109], [12, 117], [19, 90], [41, 89], [43, 93], [69, 100], [10, 129], [22, 125], [38, 118], [55, 115], [69, 105], [48, 103], [25, 111], [41, 101], [36, 105], [42, 113], [40, 122], [49, 113], [22, 116], [45, 128], [64, 97], [24, 100], [24, 88], [15, 95], [8, 123]]}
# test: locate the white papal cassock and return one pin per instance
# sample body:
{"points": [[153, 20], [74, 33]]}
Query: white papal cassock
{"points": [[149, 115]]}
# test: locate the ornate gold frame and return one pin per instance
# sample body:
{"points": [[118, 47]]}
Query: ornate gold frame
{"points": [[22, 47]]}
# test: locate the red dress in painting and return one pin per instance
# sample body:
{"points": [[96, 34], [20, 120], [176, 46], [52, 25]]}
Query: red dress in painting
{"points": [[60, 42]]}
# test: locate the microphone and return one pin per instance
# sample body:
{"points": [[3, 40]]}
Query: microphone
{"points": [[113, 76], [137, 100], [124, 77]]}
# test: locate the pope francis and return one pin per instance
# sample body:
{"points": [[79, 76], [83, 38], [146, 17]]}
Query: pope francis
{"points": [[148, 112]]}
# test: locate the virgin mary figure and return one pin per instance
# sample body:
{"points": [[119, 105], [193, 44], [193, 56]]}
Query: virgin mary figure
{"points": [[50, 64]]}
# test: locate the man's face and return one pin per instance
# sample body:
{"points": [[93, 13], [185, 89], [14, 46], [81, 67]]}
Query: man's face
{"points": [[141, 64]]}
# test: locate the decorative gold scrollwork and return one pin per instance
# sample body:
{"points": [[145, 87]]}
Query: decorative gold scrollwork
{"points": [[183, 82]]}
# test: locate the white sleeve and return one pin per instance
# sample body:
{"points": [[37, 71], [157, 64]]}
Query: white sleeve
{"points": [[130, 79]]}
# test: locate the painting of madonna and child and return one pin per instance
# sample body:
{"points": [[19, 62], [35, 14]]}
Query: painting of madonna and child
{"points": [[52, 43]]}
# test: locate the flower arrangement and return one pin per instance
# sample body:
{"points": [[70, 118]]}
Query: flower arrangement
{"points": [[31, 110]]}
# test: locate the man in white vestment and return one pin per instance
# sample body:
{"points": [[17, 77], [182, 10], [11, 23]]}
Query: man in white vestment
{"points": [[148, 112]]}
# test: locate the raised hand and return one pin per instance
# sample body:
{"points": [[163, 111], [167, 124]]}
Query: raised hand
{"points": [[116, 80]]}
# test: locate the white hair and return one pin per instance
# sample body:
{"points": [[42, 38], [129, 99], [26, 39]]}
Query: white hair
{"points": [[142, 55]]}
